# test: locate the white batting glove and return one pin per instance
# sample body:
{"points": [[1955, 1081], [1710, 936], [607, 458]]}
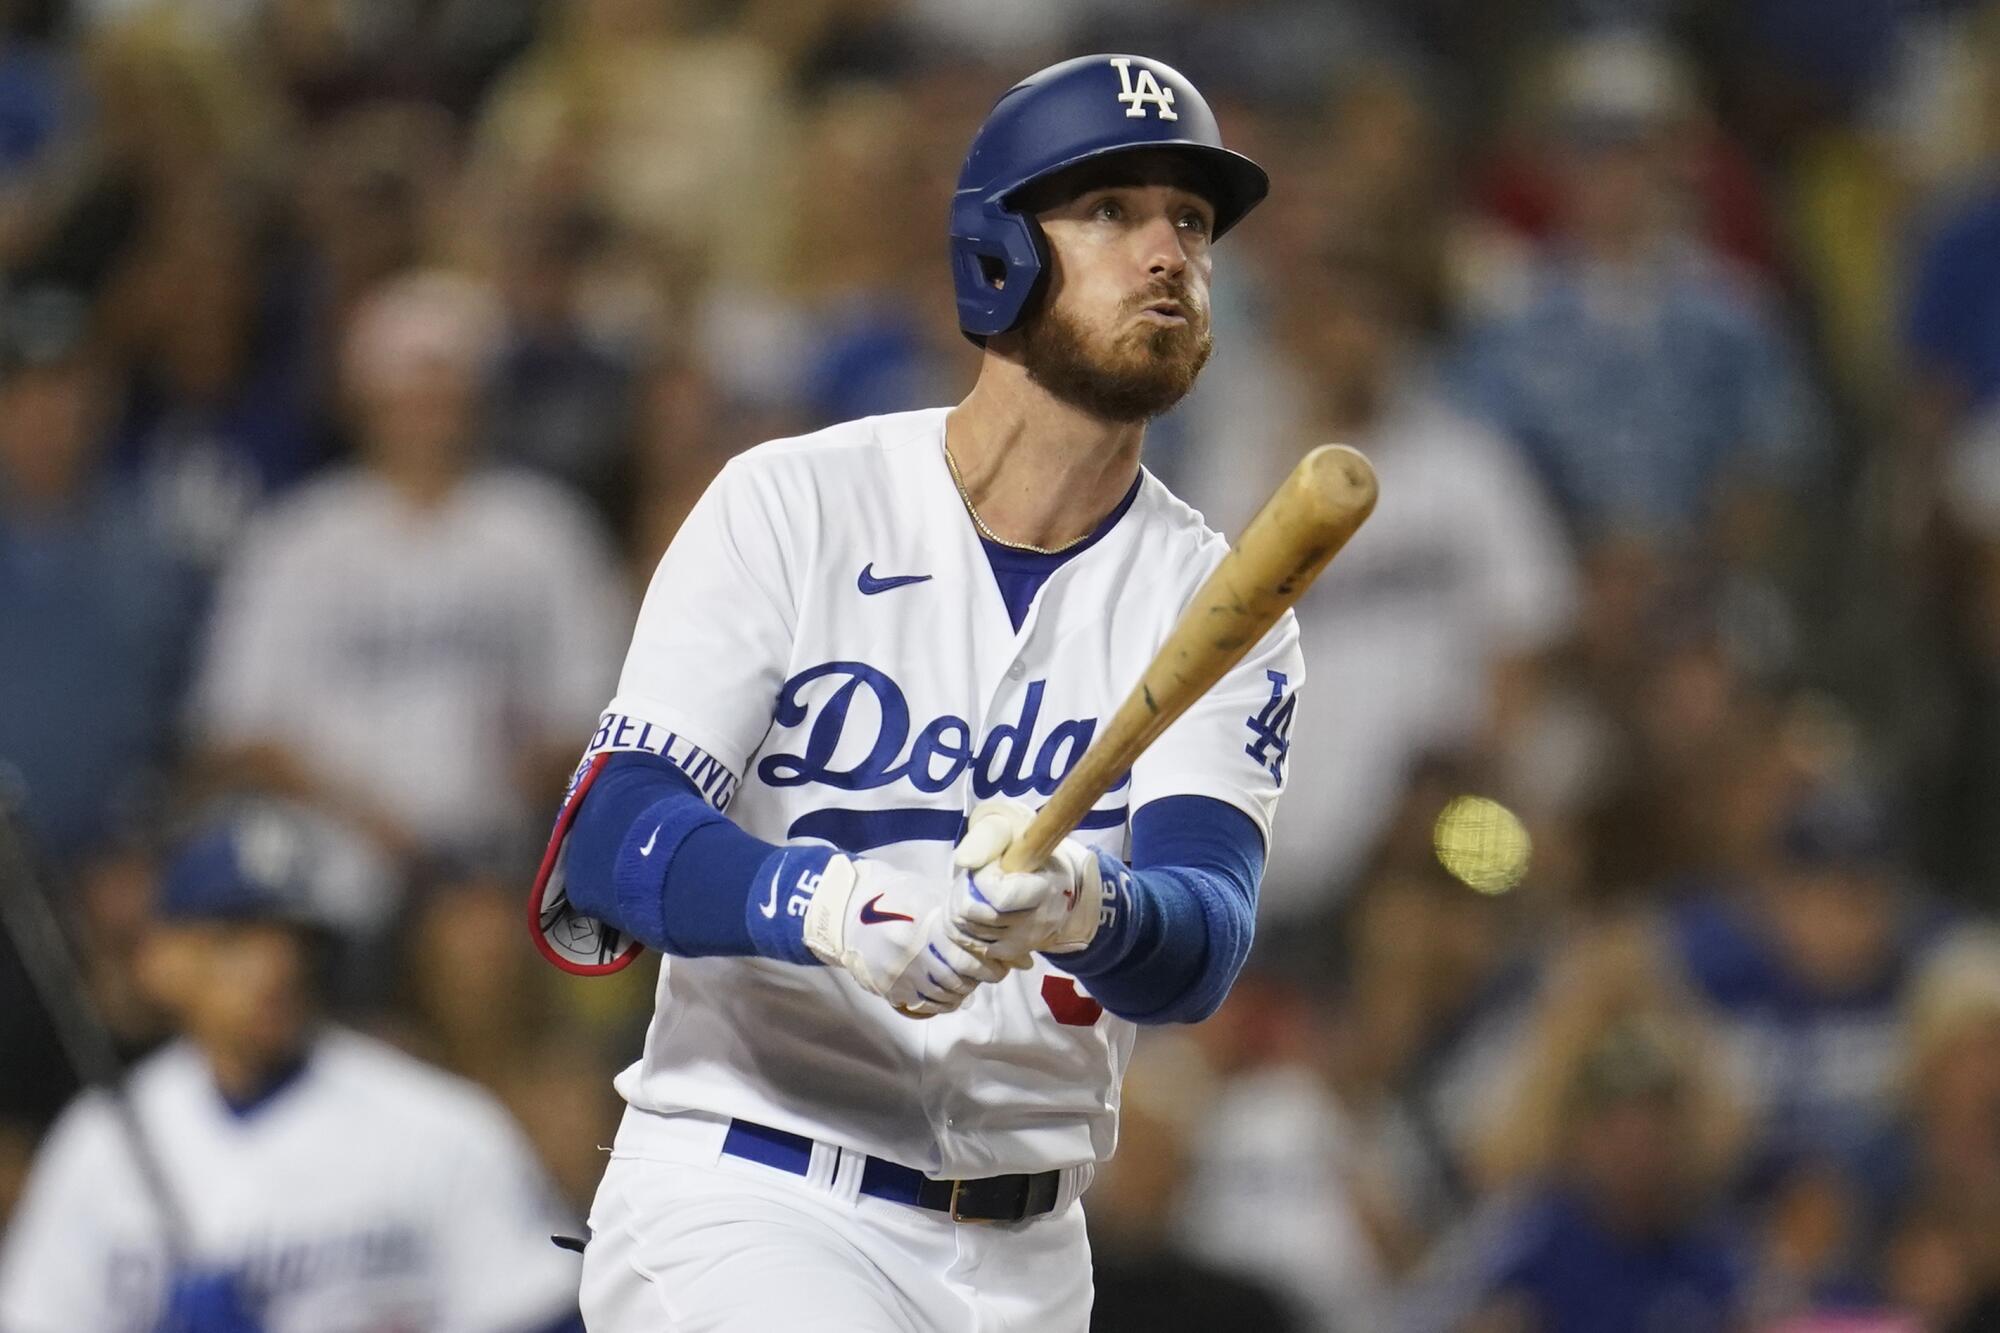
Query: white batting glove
{"points": [[1009, 918], [886, 927]]}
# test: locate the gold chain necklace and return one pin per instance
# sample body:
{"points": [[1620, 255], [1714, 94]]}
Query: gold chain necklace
{"points": [[951, 465]]}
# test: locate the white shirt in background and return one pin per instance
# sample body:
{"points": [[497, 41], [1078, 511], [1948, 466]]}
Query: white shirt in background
{"points": [[413, 655], [372, 1192]]}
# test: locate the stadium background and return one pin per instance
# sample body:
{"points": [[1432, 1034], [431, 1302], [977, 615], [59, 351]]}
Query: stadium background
{"points": [[1673, 325]]}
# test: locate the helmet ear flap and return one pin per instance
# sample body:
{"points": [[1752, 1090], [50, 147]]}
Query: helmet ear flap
{"points": [[1000, 261]]}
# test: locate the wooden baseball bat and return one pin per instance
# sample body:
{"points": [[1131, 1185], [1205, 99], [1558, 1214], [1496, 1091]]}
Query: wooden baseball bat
{"points": [[1300, 528]]}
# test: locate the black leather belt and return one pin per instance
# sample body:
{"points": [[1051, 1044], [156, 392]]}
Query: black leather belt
{"points": [[987, 1199]]}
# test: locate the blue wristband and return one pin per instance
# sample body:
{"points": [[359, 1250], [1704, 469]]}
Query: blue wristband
{"points": [[775, 911], [1181, 917], [1117, 923]]}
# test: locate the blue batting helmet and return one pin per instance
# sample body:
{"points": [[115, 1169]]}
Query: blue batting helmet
{"points": [[268, 860], [1073, 112]]}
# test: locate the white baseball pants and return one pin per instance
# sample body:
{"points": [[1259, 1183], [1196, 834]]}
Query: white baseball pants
{"points": [[685, 1239]]}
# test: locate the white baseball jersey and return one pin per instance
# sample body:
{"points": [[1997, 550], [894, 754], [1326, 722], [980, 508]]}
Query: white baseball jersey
{"points": [[373, 1194], [824, 649]]}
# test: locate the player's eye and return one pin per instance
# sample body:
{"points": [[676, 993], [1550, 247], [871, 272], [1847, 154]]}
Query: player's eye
{"points": [[1195, 221], [1107, 210]]}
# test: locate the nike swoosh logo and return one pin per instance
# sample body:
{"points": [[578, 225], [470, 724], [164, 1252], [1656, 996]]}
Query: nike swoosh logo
{"points": [[870, 916], [770, 908], [870, 585], [647, 850]]}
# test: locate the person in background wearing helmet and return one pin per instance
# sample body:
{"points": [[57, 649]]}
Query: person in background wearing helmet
{"points": [[867, 655], [326, 1183]]}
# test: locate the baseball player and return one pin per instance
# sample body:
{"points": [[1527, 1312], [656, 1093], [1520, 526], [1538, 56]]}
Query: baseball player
{"points": [[881, 1071], [329, 1183]]}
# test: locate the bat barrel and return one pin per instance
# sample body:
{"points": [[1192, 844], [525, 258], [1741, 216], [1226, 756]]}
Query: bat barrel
{"points": [[1326, 498], [1341, 484]]}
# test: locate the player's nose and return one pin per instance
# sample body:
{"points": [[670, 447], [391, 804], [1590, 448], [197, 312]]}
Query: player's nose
{"points": [[1164, 246]]}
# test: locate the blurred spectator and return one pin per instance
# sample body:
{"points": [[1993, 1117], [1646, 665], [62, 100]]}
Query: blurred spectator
{"points": [[1626, 75], [168, 120], [1442, 985], [333, 55], [475, 999], [371, 199], [567, 379], [39, 102], [1650, 383], [162, 214], [1676, 762], [1959, 777], [1935, 1189], [1280, 53], [113, 896], [1952, 329], [1935, 111], [1611, 1155], [1793, 66], [93, 610], [1426, 635], [559, 1088], [215, 21], [1283, 1185], [481, 1006], [687, 431], [317, 1170], [1016, 36], [675, 129], [1807, 963], [1479, 48], [416, 643], [1858, 185], [1577, 757], [1353, 1074], [1382, 176], [884, 336], [219, 412], [1145, 1279]]}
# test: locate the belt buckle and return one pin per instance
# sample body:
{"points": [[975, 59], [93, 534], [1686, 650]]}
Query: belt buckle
{"points": [[956, 1187]]}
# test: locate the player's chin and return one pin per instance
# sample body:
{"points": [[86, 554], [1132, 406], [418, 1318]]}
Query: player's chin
{"points": [[1179, 348], [1161, 363]]}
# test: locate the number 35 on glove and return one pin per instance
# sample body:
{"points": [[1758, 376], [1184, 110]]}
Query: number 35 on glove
{"points": [[1011, 916]]}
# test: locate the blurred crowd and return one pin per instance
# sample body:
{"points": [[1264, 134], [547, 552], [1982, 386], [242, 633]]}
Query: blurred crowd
{"points": [[357, 362]]}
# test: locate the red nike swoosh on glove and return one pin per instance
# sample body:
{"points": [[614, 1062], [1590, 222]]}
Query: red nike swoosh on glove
{"points": [[871, 917]]}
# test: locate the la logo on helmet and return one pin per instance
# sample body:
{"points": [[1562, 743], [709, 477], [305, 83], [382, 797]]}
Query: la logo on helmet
{"points": [[1145, 89]]}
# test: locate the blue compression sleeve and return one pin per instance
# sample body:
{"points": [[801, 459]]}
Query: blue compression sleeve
{"points": [[1183, 916], [649, 855]]}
